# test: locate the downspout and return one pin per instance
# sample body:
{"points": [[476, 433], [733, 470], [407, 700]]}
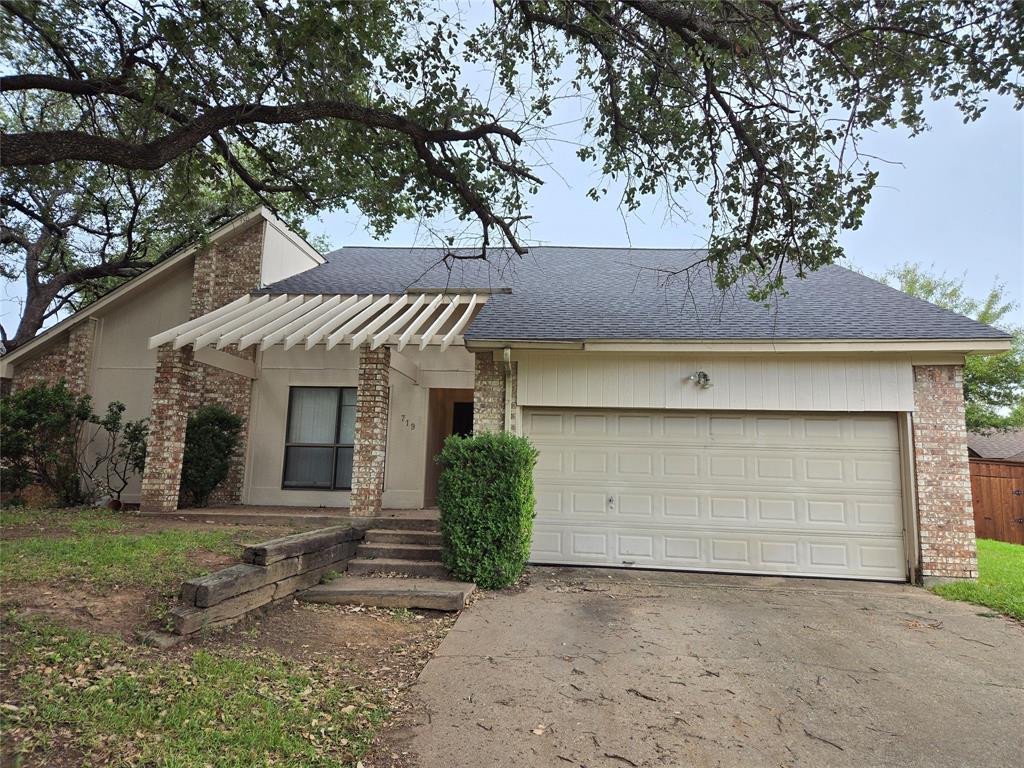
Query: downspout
{"points": [[506, 356]]}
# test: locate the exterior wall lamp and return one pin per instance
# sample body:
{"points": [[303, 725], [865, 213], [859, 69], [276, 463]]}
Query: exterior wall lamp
{"points": [[701, 379]]}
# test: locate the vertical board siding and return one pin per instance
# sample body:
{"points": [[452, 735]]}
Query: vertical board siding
{"points": [[998, 491], [596, 380]]}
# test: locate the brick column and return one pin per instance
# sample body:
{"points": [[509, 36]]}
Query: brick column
{"points": [[81, 342], [488, 394], [371, 430], [173, 393], [943, 479]]}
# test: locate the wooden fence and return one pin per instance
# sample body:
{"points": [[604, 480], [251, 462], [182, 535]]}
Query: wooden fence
{"points": [[998, 490]]}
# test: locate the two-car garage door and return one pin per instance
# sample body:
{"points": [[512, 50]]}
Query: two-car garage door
{"points": [[799, 494]]}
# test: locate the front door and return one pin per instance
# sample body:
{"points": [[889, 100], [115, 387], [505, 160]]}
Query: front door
{"points": [[450, 411]]}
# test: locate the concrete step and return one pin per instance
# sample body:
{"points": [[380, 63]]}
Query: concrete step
{"points": [[419, 521], [426, 594], [399, 551], [384, 536], [361, 566]]}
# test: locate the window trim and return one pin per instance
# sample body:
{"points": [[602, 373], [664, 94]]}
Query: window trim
{"points": [[334, 446]]}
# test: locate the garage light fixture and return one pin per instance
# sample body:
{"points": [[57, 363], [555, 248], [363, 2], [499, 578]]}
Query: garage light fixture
{"points": [[701, 379]]}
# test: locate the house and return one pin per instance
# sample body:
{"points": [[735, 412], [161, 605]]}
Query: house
{"points": [[679, 426], [997, 484]]}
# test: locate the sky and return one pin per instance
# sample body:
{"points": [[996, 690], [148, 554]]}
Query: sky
{"points": [[951, 199]]}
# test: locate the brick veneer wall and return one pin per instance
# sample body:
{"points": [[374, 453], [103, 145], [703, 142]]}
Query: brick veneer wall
{"points": [[222, 273], [489, 394], [371, 430], [174, 396], [69, 358], [46, 367], [943, 480]]}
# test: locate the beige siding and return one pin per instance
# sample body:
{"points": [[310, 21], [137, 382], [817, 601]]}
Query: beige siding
{"points": [[406, 460], [600, 380], [123, 366], [284, 255]]}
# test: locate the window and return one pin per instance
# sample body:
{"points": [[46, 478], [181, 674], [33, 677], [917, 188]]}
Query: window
{"points": [[318, 444]]}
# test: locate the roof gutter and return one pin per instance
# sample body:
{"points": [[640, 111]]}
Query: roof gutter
{"points": [[746, 346]]}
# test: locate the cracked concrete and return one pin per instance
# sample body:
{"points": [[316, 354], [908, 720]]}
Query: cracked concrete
{"points": [[590, 667]]}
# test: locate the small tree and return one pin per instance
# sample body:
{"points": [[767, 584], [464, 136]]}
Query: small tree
{"points": [[993, 384], [114, 452], [51, 438], [40, 431], [211, 438]]}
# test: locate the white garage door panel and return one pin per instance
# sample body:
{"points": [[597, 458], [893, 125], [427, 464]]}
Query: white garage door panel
{"points": [[798, 494]]}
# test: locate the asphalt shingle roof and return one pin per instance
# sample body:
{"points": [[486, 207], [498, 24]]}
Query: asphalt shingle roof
{"points": [[564, 293], [998, 445]]}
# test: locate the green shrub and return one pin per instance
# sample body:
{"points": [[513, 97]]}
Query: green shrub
{"points": [[211, 438], [487, 507], [40, 431]]}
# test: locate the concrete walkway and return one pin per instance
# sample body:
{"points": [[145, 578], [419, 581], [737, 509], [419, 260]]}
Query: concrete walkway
{"points": [[611, 668]]}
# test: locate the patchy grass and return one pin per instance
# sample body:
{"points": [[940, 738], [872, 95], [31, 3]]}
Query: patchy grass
{"points": [[97, 549], [119, 704], [1000, 584]]}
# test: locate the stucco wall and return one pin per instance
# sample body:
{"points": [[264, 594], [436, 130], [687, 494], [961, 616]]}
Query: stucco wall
{"points": [[406, 455]]}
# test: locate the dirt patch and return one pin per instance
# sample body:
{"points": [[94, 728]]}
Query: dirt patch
{"points": [[380, 648], [120, 612]]}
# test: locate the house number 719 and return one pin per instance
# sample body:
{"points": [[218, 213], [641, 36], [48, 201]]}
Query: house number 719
{"points": [[406, 421]]}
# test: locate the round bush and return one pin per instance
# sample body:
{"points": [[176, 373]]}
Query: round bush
{"points": [[211, 438], [487, 507]]}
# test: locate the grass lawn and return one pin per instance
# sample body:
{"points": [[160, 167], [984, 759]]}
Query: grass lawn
{"points": [[306, 686], [99, 548], [1000, 584], [107, 702]]}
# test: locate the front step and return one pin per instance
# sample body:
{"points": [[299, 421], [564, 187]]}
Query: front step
{"points": [[422, 569], [425, 594], [384, 536], [399, 551], [420, 521]]}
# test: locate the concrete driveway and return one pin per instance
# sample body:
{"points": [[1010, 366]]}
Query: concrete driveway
{"points": [[594, 668]]}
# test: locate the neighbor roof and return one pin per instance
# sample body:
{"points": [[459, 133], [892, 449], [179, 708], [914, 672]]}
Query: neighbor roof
{"points": [[569, 293], [997, 445]]}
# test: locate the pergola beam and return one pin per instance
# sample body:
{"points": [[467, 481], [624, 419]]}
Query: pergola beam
{"points": [[375, 320]]}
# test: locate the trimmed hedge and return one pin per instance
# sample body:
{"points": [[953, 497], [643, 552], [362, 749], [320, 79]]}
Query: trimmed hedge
{"points": [[487, 507], [211, 438]]}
